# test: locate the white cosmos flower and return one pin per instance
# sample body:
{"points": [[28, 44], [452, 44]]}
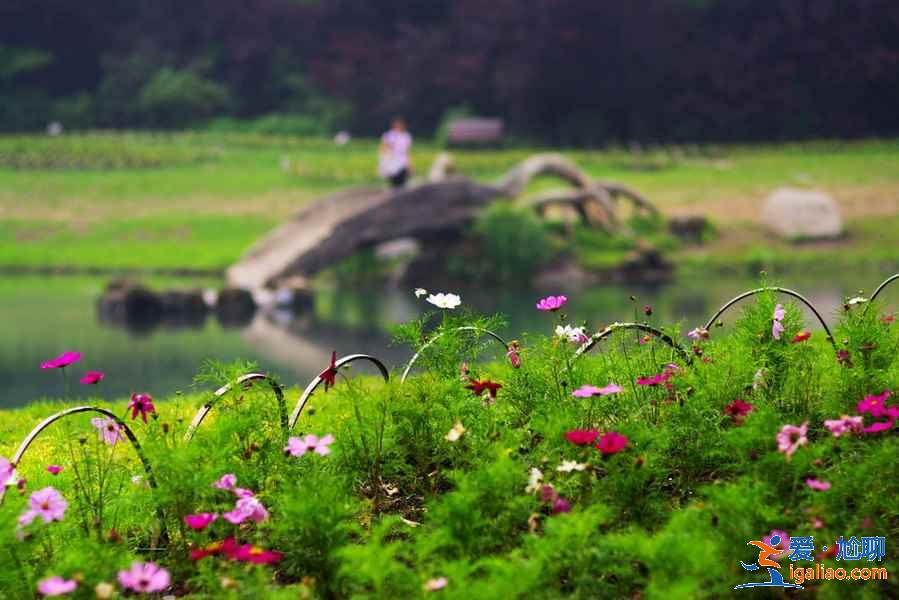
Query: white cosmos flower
{"points": [[419, 292], [568, 466], [445, 300], [857, 300], [534, 481], [455, 433], [575, 335]]}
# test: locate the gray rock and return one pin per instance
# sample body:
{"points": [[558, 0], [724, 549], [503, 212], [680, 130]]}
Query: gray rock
{"points": [[802, 214]]}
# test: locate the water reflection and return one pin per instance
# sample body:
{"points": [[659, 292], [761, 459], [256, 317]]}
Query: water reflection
{"points": [[161, 355]]}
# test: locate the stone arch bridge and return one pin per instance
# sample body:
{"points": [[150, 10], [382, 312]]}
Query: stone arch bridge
{"points": [[338, 225]]}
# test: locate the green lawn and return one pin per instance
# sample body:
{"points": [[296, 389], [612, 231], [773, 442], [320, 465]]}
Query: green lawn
{"points": [[197, 200]]}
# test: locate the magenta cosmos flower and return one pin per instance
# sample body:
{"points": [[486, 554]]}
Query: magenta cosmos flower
{"points": [[110, 431], [582, 437], [54, 469], [552, 303], [818, 485], [56, 586], [874, 405], [656, 379], [145, 578], [92, 377], [141, 404], [47, 503], [512, 354], [791, 437], [200, 520], [248, 507], [62, 361], [611, 443]]}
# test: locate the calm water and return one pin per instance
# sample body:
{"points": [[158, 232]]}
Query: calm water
{"points": [[42, 317]]}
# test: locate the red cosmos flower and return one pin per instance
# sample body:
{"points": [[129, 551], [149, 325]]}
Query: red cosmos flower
{"points": [[143, 404], [477, 387], [844, 358], [738, 409], [611, 443], [802, 336], [888, 319], [92, 377], [329, 375], [582, 437], [512, 354]]}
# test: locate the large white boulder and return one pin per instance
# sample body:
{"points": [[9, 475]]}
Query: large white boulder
{"points": [[802, 214]]}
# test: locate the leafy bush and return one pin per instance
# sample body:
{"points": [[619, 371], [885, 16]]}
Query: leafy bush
{"points": [[175, 98], [440, 484]]}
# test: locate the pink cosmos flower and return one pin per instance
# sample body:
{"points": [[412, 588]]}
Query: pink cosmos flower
{"points": [[200, 520], [791, 437], [7, 473], [783, 544], [552, 303], [47, 503], [818, 485], [801, 336], [56, 586], [141, 404], [54, 469], [585, 391], [582, 437], [92, 377], [243, 492], [247, 508], [777, 329], [435, 584], [779, 313], [145, 578], [699, 333], [512, 355], [226, 482], [298, 447], [62, 361], [611, 443], [737, 410], [110, 431], [845, 424]]}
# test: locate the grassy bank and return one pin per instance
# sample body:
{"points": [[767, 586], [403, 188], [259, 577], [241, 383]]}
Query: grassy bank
{"points": [[647, 485], [197, 200]]}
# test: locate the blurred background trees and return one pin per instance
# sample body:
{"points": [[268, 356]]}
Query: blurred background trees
{"points": [[558, 71]]}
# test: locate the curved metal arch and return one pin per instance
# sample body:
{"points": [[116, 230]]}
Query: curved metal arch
{"points": [[250, 377], [415, 356], [40, 427], [879, 289], [316, 381], [598, 336], [780, 290]]}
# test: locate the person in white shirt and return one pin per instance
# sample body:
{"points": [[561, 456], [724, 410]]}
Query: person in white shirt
{"points": [[393, 163]]}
